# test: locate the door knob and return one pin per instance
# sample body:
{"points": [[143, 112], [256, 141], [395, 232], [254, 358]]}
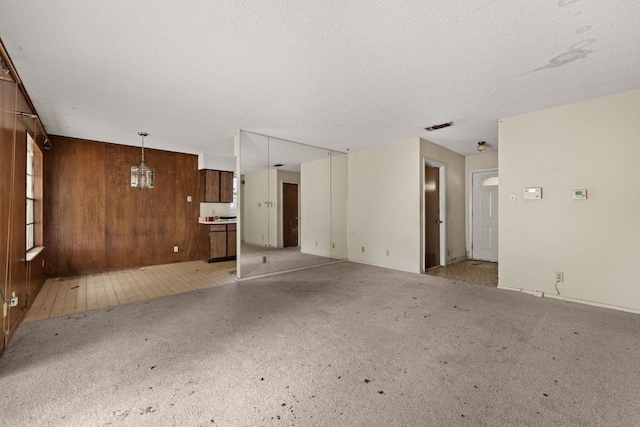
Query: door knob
{"points": [[438, 221]]}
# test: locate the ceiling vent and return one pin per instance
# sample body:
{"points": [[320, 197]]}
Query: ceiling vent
{"points": [[440, 126]]}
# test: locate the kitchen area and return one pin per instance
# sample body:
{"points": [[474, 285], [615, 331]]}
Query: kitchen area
{"points": [[218, 218]]}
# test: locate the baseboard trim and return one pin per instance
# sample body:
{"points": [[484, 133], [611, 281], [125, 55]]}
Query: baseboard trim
{"points": [[373, 264], [275, 273], [570, 299]]}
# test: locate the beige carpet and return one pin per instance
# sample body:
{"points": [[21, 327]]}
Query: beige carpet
{"points": [[339, 345], [277, 260]]}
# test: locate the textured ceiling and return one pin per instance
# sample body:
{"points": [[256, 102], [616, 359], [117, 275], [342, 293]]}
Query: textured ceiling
{"points": [[337, 74]]}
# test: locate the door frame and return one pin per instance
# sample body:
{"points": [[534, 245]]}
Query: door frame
{"points": [[281, 211], [471, 172], [442, 173]]}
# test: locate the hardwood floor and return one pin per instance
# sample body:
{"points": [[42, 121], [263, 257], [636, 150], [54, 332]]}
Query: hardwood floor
{"points": [[62, 296]]}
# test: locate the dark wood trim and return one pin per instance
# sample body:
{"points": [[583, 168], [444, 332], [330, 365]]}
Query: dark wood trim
{"points": [[7, 59]]}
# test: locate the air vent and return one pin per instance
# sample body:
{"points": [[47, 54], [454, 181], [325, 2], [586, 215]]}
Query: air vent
{"points": [[440, 126]]}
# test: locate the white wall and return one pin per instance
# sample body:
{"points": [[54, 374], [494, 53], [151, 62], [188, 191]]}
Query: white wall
{"points": [[323, 217], [262, 206], [339, 194], [473, 163], [383, 207], [255, 212], [216, 162], [455, 196], [593, 145], [315, 215], [216, 209]]}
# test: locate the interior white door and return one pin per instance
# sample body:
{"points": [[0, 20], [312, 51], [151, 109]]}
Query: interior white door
{"points": [[484, 237]]}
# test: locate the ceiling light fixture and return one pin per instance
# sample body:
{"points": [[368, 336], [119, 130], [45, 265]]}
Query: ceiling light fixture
{"points": [[482, 146], [142, 176]]}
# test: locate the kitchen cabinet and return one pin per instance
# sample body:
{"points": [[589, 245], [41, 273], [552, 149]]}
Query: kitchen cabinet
{"points": [[216, 186], [218, 242], [226, 187], [231, 240]]}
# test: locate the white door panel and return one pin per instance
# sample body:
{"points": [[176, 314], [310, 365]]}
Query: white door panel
{"points": [[484, 234]]}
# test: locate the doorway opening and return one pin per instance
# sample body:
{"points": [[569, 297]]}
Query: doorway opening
{"points": [[434, 214], [484, 215], [290, 223]]}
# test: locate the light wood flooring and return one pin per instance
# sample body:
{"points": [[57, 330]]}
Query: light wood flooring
{"points": [[62, 296]]}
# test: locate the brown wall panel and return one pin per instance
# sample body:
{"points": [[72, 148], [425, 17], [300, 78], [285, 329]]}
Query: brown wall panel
{"points": [[19, 268], [36, 279], [8, 93], [18, 277], [95, 220]]}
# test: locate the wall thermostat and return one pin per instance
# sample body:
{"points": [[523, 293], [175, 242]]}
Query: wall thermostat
{"points": [[580, 194], [533, 193]]}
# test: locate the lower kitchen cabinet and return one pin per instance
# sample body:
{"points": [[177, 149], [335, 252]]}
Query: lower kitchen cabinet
{"points": [[219, 242], [231, 241]]}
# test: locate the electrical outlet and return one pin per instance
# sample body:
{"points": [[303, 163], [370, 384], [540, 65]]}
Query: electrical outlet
{"points": [[13, 302], [362, 249], [559, 276], [188, 198], [175, 248]]}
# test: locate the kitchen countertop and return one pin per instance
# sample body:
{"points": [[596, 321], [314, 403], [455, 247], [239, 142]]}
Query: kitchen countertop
{"points": [[220, 221]]}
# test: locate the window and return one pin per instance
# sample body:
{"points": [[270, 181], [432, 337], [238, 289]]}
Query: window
{"points": [[33, 218], [31, 195], [234, 203], [490, 182]]}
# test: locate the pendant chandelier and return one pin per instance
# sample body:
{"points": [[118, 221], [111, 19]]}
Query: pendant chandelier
{"points": [[142, 176]]}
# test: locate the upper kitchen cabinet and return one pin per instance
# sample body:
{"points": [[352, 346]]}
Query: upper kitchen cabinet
{"points": [[217, 186], [226, 187]]}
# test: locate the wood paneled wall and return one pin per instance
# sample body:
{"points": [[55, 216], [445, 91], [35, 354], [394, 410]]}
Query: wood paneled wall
{"points": [[17, 275], [95, 220]]}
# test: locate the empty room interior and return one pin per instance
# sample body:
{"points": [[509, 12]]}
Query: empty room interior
{"points": [[303, 213]]}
